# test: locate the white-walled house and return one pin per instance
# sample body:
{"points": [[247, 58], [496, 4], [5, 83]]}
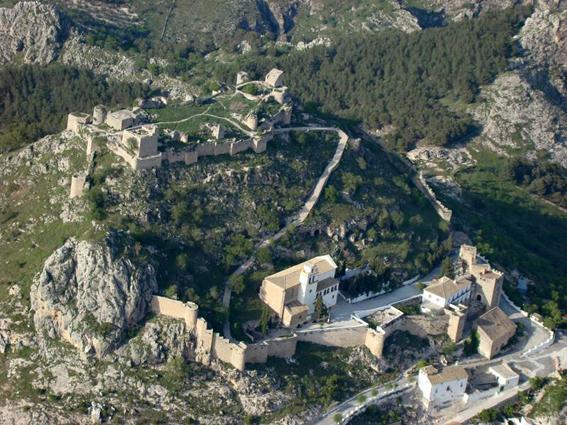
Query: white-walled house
{"points": [[439, 389], [444, 291], [507, 377]]}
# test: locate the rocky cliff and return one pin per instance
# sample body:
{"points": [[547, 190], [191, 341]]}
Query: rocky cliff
{"points": [[89, 295], [31, 29]]}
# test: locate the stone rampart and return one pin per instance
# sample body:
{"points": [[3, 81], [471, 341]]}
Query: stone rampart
{"points": [[205, 149], [229, 352], [176, 309], [174, 156], [210, 344], [278, 347], [336, 337], [205, 338], [239, 146], [221, 148], [148, 162], [443, 212]]}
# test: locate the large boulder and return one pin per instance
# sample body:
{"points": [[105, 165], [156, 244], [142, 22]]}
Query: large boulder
{"points": [[89, 294], [32, 29]]}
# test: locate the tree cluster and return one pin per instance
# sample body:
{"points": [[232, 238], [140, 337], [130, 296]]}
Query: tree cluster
{"points": [[542, 178], [34, 100], [406, 80]]}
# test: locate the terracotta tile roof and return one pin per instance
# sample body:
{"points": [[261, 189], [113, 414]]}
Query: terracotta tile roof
{"points": [[495, 323], [289, 277], [452, 373], [326, 283], [446, 287]]}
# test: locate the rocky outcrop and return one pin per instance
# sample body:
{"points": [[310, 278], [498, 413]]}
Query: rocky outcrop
{"points": [[158, 341], [31, 29], [544, 36], [89, 295], [459, 9], [514, 116]]}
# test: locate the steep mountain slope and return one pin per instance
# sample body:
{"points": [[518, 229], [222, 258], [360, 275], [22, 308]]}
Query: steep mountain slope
{"points": [[30, 31]]}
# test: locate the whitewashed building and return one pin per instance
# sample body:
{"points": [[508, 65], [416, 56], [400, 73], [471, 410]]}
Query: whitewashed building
{"points": [[444, 291], [507, 377], [439, 389]]}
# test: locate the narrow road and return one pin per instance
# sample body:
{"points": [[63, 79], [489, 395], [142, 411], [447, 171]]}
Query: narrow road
{"points": [[298, 218], [538, 363], [343, 310], [352, 407]]}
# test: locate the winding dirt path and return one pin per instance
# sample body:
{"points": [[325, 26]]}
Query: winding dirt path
{"points": [[298, 218]]}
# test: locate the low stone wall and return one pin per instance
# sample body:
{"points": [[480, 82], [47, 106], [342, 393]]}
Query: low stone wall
{"points": [[443, 212]]}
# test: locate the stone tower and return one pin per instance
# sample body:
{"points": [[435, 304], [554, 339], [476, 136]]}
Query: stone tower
{"points": [[251, 121], [191, 315], [488, 285], [374, 341], [457, 319], [217, 131], [308, 286], [468, 254], [99, 114]]}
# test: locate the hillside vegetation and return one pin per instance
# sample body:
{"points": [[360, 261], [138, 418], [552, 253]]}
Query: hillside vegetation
{"points": [[400, 79], [35, 100]]}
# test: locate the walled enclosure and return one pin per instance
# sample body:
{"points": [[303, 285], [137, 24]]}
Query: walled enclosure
{"points": [[210, 344]]}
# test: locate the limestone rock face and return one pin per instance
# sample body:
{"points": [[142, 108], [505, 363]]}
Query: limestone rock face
{"points": [[88, 295], [31, 28], [160, 339], [513, 115]]}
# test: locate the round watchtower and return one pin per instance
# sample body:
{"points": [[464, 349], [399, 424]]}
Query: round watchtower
{"points": [[99, 114], [191, 315]]}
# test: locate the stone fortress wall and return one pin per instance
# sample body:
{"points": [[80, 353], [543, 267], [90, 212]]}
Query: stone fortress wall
{"points": [[127, 125], [211, 345], [78, 123], [443, 212]]}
